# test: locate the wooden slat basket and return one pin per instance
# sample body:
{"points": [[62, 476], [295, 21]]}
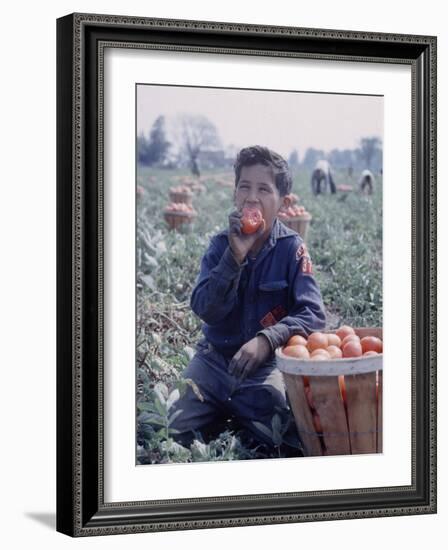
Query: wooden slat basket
{"points": [[300, 224], [181, 197], [337, 404], [179, 220]]}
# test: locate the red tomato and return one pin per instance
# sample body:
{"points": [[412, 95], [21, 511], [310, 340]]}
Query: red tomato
{"points": [[296, 339], [342, 389], [309, 398], [344, 331], [320, 357], [335, 352], [353, 337], [333, 340], [352, 349], [317, 340], [371, 343], [317, 423], [251, 220], [298, 351], [323, 352]]}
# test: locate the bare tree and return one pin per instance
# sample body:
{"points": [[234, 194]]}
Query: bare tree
{"points": [[197, 134]]}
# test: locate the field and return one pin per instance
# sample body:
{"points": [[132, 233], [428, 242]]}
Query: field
{"points": [[345, 243]]}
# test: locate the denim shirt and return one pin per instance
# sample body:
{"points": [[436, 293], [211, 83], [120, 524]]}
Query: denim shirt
{"points": [[275, 295]]}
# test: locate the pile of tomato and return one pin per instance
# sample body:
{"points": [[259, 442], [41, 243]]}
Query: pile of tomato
{"points": [[179, 208], [343, 343], [292, 212], [181, 189], [334, 346]]}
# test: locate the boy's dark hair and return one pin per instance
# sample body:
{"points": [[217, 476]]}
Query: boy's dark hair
{"points": [[257, 154]]}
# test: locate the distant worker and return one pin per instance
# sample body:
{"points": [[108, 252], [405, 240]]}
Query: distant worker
{"points": [[322, 177], [366, 182]]}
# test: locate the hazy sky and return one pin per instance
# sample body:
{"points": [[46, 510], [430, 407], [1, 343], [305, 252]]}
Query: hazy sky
{"points": [[282, 121]]}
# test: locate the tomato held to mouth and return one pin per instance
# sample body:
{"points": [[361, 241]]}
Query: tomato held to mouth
{"points": [[251, 220]]}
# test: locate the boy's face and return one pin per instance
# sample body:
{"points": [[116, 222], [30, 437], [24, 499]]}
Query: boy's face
{"points": [[256, 188]]}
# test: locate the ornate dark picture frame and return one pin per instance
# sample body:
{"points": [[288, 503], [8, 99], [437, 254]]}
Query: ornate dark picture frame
{"points": [[81, 509]]}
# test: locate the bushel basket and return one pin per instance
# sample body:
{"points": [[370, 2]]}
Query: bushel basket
{"points": [[300, 224], [337, 403]]}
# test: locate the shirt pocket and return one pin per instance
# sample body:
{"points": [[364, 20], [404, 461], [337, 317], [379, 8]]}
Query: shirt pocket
{"points": [[273, 286], [273, 294]]}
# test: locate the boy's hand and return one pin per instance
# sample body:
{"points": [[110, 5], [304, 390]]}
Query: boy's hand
{"points": [[249, 357], [239, 243]]}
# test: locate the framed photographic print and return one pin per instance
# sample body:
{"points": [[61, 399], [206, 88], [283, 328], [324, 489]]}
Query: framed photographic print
{"points": [[246, 217]]}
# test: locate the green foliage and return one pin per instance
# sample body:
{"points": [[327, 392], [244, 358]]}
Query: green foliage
{"points": [[345, 243], [227, 446], [276, 432], [155, 434]]}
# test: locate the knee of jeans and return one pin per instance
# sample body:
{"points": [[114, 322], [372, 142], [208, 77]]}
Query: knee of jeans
{"points": [[268, 400], [199, 369], [189, 413]]}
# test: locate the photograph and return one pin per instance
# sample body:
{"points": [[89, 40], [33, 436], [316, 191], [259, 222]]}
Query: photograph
{"points": [[245, 216], [259, 282]]}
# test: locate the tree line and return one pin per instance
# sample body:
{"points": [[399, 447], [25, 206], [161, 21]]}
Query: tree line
{"points": [[369, 154], [195, 143]]}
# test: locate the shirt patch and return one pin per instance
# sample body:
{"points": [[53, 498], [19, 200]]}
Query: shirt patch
{"points": [[302, 251], [273, 317], [279, 312], [303, 256], [307, 265], [268, 320]]}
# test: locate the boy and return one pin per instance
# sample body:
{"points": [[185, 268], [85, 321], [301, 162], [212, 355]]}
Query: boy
{"points": [[253, 293]]}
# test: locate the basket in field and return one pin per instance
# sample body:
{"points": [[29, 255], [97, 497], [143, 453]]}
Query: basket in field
{"points": [[179, 215], [300, 224], [337, 404], [344, 188], [181, 195], [196, 187]]}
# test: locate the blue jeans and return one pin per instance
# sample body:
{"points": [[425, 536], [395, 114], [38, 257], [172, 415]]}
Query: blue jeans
{"points": [[256, 399]]}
